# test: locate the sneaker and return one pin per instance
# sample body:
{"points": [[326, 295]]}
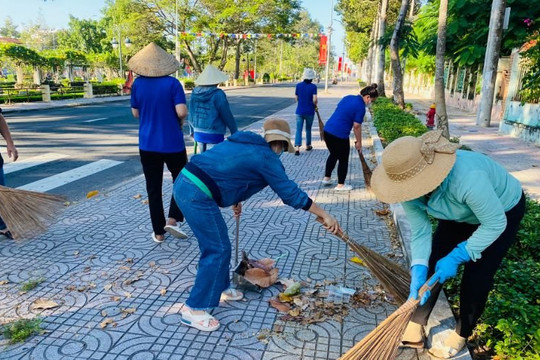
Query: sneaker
{"points": [[326, 182], [297, 153], [309, 148], [156, 239], [343, 188], [175, 231]]}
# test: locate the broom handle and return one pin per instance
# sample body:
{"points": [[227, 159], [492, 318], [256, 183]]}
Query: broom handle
{"points": [[236, 238], [426, 287]]}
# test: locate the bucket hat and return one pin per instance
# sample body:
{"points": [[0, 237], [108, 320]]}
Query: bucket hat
{"points": [[278, 130], [153, 61], [309, 74], [211, 76], [413, 166]]}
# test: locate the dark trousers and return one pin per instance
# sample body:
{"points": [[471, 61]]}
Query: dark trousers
{"points": [[152, 164], [478, 275], [339, 151]]}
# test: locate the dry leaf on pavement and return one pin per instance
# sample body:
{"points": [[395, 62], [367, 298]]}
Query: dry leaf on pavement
{"points": [[138, 196], [382, 212], [4, 282], [163, 291], [281, 307], [43, 304], [107, 321], [104, 313], [107, 287]]}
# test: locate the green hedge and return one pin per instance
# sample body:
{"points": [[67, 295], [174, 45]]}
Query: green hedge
{"points": [[392, 122]]}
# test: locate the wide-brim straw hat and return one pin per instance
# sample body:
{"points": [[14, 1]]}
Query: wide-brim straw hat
{"points": [[309, 74], [278, 130], [153, 61], [412, 167], [211, 76]]}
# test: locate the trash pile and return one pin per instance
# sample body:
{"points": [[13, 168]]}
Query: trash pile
{"points": [[307, 303]]}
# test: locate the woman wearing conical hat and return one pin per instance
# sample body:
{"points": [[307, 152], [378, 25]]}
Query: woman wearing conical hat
{"points": [[209, 111], [478, 205], [159, 102]]}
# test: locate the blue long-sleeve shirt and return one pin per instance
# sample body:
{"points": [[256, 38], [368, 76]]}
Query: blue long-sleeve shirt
{"points": [[244, 165], [476, 191]]}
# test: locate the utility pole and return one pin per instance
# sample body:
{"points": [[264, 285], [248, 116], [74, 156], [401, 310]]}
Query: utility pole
{"points": [[328, 44], [176, 47], [491, 62]]}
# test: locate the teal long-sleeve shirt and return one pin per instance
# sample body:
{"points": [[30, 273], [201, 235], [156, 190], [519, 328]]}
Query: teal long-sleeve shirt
{"points": [[476, 191]]}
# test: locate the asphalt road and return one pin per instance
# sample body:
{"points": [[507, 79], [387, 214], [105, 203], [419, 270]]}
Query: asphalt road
{"points": [[107, 133]]}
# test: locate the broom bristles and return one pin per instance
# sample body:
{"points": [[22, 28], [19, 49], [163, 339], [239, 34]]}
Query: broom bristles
{"points": [[393, 277], [28, 213]]}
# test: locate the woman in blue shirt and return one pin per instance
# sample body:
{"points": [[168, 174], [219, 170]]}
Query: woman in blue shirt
{"points": [[159, 102], [224, 176], [209, 111], [348, 115], [306, 96], [478, 205]]}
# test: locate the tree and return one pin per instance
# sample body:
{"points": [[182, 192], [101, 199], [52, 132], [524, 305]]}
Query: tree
{"points": [[9, 29], [440, 102], [87, 36], [381, 59], [399, 96]]}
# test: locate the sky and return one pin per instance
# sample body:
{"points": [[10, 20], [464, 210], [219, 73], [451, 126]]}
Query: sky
{"points": [[56, 13]]}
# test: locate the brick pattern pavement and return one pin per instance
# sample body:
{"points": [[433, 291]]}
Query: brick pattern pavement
{"points": [[92, 256]]}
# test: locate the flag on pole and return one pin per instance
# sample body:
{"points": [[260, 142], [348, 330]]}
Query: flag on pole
{"points": [[340, 64], [323, 50]]}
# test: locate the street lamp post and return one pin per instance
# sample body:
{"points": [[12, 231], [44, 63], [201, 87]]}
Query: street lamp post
{"points": [[115, 44], [328, 48]]}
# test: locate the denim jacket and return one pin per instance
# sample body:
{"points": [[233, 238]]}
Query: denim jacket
{"points": [[244, 165], [209, 111], [476, 191]]}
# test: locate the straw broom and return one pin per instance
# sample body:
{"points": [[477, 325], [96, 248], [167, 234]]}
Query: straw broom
{"points": [[382, 342], [365, 169], [27, 213], [321, 124], [393, 277]]}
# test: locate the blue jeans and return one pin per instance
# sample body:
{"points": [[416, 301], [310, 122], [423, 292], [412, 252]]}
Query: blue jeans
{"points": [[3, 183], [299, 125], [205, 220]]}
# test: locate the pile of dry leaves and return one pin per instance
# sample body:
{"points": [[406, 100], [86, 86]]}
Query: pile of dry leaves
{"points": [[309, 304]]}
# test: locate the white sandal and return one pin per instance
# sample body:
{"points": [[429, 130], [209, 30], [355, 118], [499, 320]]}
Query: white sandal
{"points": [[175, 231], [231, 295], [199, 322]]}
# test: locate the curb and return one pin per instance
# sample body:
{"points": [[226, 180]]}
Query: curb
{"points": [[441, 322]]}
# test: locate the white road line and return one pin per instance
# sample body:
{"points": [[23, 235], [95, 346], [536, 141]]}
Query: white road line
{"points": [[33, 161], [66, 177], [92, 120]]}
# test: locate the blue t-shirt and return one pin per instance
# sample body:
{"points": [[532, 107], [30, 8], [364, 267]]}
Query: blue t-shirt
{"points": [[305, 92], [351, 109], [159, 127]]}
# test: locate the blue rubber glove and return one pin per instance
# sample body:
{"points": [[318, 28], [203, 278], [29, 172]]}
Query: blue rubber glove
{"points": [[418, 278], [447, 267]]}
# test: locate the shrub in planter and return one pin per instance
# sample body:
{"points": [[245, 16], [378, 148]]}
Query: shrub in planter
{"points": [[392, 122]]}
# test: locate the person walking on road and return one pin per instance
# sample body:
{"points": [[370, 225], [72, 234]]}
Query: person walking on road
{"points": [[159, 102], [226, 175], [478, 205], [209, 111], [348, 115], [306, 96], [14, 155]]}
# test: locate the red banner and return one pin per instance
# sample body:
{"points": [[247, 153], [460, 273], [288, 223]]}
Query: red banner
{"points": [[323, 50], [340, 63]]}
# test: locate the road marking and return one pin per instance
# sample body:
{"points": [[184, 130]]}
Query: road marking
{"points": [[92, 120], [33, 161], [66, 177]]}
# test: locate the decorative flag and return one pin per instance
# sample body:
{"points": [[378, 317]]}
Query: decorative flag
{"points": [[323, 50], [340, 63]]}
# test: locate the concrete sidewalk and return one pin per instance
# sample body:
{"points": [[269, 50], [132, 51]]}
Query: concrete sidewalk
{"points": [[119, 293], [519, 157]]}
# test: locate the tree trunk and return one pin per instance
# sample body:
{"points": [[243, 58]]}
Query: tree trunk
{"points": [[490, 62], [399, 96], [382, 29], [371, 52], [237, 59], [194, 62], [224, 53], [442, 116], [20, 74]]}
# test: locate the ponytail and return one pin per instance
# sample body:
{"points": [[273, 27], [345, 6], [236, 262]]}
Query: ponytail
{"points": [[370, 90]]}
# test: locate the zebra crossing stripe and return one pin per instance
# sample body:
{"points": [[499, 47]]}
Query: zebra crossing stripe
{"points": [[66, 177], [33, 161]]}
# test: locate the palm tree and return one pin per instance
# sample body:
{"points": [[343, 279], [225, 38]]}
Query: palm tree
{"points": [[442, 116]]}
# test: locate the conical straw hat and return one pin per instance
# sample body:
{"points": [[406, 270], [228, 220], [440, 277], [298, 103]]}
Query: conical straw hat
{"points": [[153, 61], [211, 76]]}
